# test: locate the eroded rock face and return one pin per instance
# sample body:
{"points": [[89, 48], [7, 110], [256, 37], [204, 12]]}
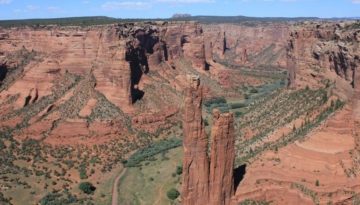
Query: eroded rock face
{"points": [[222, 157], [118, 55], [247, 45], [291, 63], [186, 40], [195, 186], [151, 122], [204, 181], [314, 49], [92, 75]]}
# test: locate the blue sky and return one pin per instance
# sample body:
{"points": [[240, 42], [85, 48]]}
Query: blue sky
{"points": [[20, 9]]}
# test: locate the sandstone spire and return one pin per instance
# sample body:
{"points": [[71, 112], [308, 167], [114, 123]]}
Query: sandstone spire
{"points": [[291, 63], [195, 188], [222, 158], [201, 184]]}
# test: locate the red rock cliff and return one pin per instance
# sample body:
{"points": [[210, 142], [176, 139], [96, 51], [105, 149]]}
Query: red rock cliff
{"points": [[195, 184], [247, 45], [315, 50], [222, 158], [201, 184]]}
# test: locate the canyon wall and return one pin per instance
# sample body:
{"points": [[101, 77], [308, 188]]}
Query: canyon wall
{"points": [[316, 50], [117, 55], [247, 45], [80, 78], [206, 181]]}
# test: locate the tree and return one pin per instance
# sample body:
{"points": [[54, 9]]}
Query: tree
{"points": [[179, 170], [173, 194], [87, 187], [317, 183]]}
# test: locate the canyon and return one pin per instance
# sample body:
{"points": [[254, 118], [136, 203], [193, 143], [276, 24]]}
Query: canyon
{"points": [[279, 101]]}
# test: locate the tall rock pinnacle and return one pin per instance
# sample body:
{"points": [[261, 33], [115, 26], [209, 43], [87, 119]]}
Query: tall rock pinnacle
{"points": [[291, 62], [206, 182], [195, 164], [222, 158]]}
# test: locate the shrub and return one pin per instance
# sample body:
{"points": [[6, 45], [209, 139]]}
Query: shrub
{"points": [[238, 114], [82, 173], [2, 145], [339, 104], [179, 170], [317, 183], [152, 150], [216, 100], [87, 187], [254, 90], [237, 105], [206, 122], [59, 198], [173, 194]]}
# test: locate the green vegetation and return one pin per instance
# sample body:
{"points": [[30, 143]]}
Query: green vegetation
{"points": [[64, 198], [308, 192], [179, 170], [4, 200], [252, 202], [277, 110], [24, 57], [87, 187], [218, 103], [153, 149], [215, 100], [173, 194], [317, 183], [237, 105], [149, 184]]}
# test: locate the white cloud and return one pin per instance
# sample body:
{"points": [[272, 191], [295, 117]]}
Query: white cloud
{"points": [[116, 5], [5, 1], [356, 1]]}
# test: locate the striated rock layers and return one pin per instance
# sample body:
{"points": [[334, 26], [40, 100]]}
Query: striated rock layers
{"points": [[206, 181], [195, 186], [222, 158], [247, 45], [315, 49], [79, 84], [117, 55]]}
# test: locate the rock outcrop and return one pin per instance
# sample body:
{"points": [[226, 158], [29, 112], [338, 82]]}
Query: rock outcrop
{"points": [[291, 63], [195, 186], [206, 181], [119, 55], [222, 157], [151, 122], [186, 40], [47, 69], [247, 45], [314, 49]]}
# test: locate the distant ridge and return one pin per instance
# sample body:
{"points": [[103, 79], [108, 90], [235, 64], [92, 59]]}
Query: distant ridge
{"points": [[101, 20]]}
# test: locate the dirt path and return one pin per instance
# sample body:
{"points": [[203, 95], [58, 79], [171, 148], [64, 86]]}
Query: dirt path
{"points": [[115, 189]]}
